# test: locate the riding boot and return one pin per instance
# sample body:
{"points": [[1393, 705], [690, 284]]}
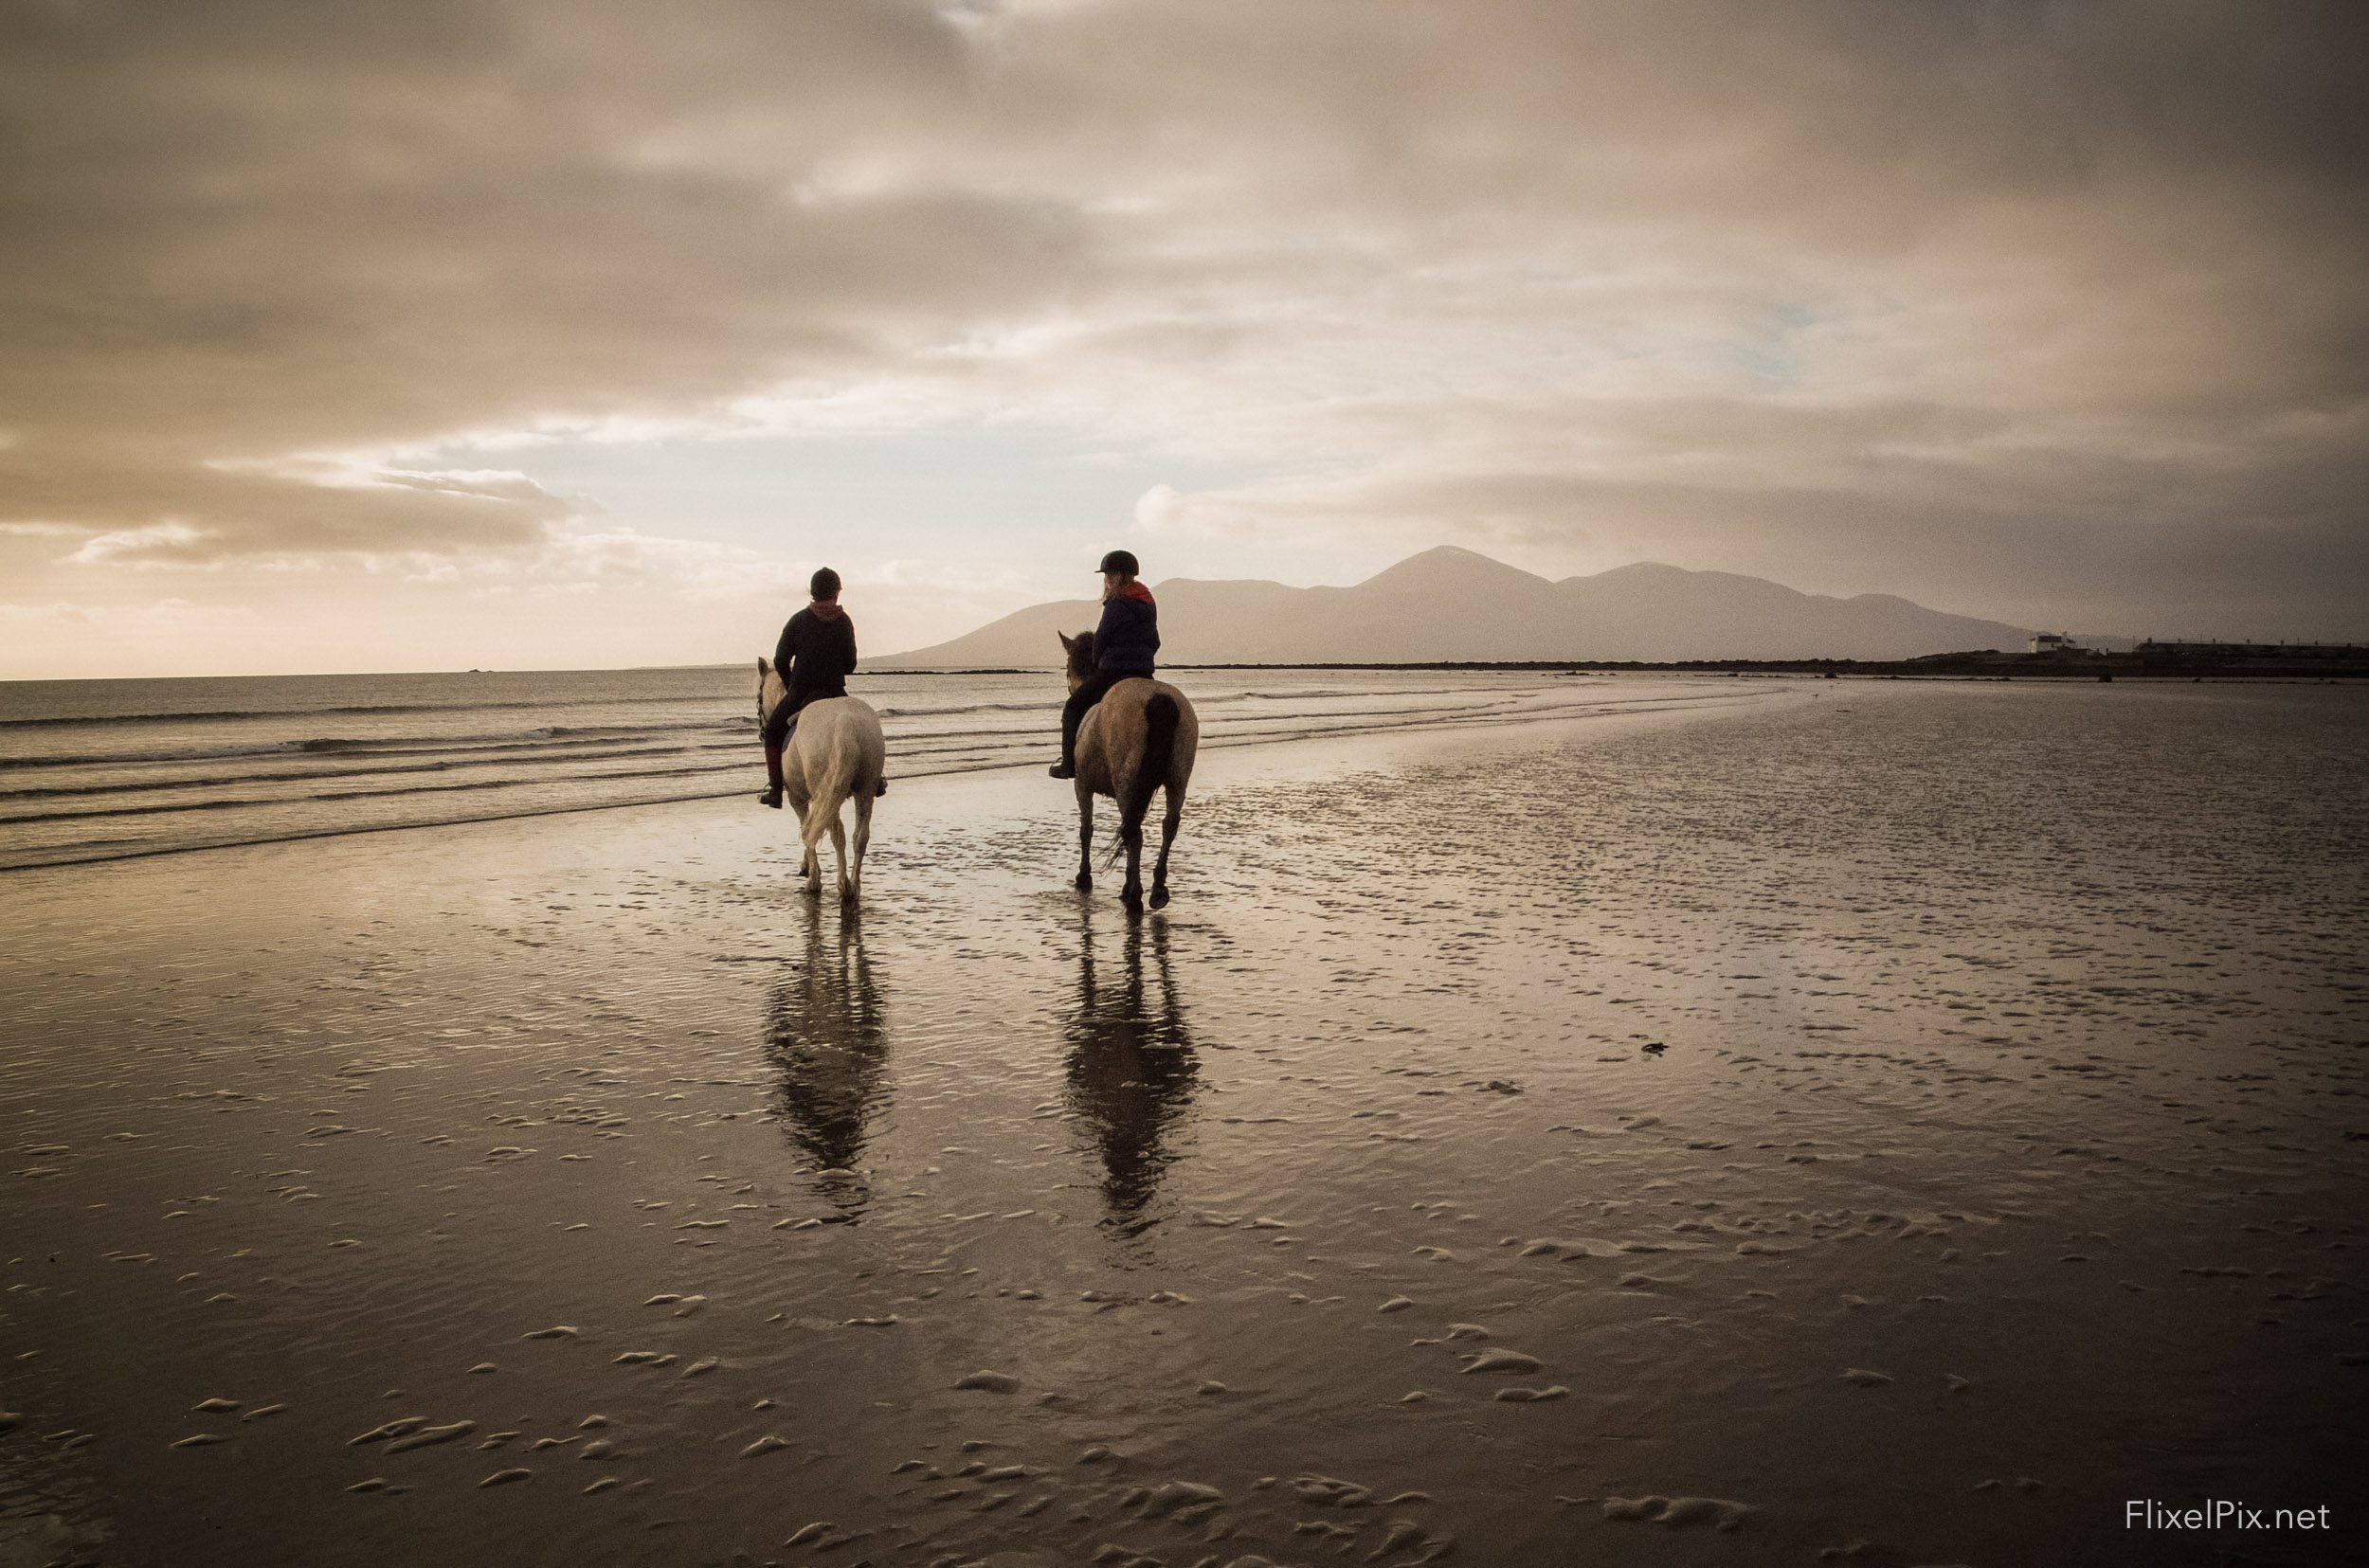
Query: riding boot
{"points": [[1067, 766], [772, 795]]}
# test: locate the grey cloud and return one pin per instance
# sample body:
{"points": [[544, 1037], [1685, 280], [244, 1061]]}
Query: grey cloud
{"points": [[1960, 294], [247, 232], [196, 515]]}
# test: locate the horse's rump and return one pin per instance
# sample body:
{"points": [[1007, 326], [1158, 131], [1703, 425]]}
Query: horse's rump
{"points": [[1135, 719], [837, 747]]}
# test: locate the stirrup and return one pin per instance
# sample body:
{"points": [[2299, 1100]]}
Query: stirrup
{"points": [[771, 797]]}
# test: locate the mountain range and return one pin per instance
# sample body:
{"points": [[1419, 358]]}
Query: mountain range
{"points": [[1452, 604]]}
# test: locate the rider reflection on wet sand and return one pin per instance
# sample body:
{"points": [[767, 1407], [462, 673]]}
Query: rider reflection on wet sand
{"points": [[1132, 1071], [825, 1035]]}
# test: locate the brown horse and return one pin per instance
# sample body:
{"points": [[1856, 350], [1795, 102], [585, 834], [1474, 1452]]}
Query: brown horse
{"points": [[1140, 737]]}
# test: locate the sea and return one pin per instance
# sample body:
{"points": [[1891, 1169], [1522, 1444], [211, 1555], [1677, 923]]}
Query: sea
{"points": [[103, 770]]}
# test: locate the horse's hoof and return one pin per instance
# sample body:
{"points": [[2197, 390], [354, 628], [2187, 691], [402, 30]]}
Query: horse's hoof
{"points": [[1132, 898], [1159, 899], [1085, 882]]}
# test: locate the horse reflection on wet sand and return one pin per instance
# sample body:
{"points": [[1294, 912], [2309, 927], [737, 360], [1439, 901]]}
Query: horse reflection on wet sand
{"points": [[827, 1039], [1132, 1071]]}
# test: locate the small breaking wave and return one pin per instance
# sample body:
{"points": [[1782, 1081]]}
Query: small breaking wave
{"points": [[251, 773], [540, 740], [218, 715]]}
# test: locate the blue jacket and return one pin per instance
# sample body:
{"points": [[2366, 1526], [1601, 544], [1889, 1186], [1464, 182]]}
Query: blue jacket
{"points": [[1130, 632]]}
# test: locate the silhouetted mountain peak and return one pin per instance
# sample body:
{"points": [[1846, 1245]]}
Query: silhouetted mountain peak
{"points": [[1451, 568], [1639, 570]]}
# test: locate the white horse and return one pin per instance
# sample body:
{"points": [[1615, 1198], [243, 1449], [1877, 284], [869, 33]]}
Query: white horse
{"points": [[835, 755]]}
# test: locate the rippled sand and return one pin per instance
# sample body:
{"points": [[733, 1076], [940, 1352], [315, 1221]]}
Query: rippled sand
{"points": [[1881, 1124]]}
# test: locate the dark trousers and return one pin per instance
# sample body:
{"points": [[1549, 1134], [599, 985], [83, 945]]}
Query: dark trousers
{"points": [[1097, 686], [777, 728]]}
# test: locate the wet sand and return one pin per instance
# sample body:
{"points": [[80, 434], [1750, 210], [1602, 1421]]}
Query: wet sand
{"points": [[1876, 1124]]}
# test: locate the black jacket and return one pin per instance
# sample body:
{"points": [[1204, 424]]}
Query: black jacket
{"points": [[815, 655]]}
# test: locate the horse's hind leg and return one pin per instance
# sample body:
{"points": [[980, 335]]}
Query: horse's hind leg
{"points": [[1167, 836], [839, 853], [810, 831], [863, 839], [1132, 893], [1085, 840]]}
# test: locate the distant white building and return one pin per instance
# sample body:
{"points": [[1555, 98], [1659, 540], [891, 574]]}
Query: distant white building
{"points": [[2053, 642]]}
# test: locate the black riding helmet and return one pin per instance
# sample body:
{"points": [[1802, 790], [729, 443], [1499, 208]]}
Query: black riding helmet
{"points": [[1120, 561]]}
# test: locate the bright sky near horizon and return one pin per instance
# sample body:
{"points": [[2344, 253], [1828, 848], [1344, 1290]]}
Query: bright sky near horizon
{"points": [[515, 333]]}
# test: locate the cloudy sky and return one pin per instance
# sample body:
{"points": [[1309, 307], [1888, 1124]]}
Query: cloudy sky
{"points": [[563, 332]]}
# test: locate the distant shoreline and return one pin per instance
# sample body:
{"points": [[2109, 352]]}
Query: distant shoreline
{"points": [[1992, 667], [2009, 667]]}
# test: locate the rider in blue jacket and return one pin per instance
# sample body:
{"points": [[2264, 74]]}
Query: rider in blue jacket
{"points": [[1125, 645]]}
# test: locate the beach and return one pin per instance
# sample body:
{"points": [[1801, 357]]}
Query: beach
{"points": [[1744, 1122]]}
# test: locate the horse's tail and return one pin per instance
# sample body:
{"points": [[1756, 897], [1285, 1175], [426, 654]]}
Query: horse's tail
{"points": [[830, 794], [1152, 770]]}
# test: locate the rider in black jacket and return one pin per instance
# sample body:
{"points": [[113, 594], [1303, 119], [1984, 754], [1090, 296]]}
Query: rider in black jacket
{"points": [[815, 657]]}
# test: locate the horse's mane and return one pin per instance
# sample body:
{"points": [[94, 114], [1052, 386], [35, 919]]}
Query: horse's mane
{"points": [[770, 688], [1082, 655]]}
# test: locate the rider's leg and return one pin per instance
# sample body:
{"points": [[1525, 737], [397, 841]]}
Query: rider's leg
{"points": [[777, 729], [1074, 713], [774, 734]]}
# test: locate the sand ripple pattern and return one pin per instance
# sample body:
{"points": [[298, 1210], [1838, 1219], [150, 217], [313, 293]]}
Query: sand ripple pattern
{"points": [[1885, 1124]]}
